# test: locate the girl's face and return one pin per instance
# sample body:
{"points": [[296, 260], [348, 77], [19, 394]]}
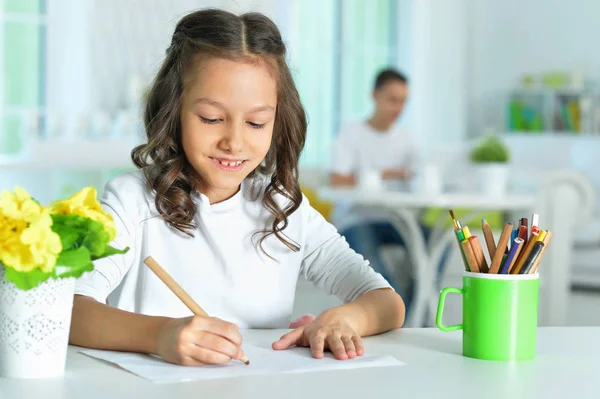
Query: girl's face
{"points": [[227, 117]]}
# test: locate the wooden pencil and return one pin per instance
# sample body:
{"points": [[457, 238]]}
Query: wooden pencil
{"points": [[479, 256], [546, 242], [500, 248], [180, 292], [470, 256], [489, 238]]}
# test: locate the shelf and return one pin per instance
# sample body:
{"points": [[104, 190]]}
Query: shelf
{"points": [[76, 154]]}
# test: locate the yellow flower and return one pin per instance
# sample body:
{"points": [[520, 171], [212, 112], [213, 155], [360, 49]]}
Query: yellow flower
{"points": [[85, 204], [27, 241]]}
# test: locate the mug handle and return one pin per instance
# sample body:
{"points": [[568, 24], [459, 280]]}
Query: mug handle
{"points": [[440, 309]]}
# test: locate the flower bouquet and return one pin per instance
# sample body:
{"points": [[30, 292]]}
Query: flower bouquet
{"points": [[43, 249]]}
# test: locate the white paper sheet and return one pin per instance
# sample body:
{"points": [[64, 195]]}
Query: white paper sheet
{"points": [[262, 361]]}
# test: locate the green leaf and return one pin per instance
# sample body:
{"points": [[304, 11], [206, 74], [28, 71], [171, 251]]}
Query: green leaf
{"points": [[76, 231], [96, 238], [73, 263], [111, 251], [70, 228], [68, 235], [26, 280]]}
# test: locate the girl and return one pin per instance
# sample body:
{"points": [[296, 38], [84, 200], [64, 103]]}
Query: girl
{"points": [[217, 203]]}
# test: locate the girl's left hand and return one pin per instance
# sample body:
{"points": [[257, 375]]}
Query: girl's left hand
{"points": [[328, 331]]}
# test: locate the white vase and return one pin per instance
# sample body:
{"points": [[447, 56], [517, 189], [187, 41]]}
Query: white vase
{"points": [[493, 178], [34, 328]]}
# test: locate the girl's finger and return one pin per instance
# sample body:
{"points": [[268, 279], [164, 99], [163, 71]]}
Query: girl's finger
{"points": [[289, 339], [218, 344], [336, 346], [317, 343], [207, 356], [349, 345], [358, 345]]}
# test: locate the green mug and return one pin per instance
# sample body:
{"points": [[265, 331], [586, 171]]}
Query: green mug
{"points": [[499, 315]]}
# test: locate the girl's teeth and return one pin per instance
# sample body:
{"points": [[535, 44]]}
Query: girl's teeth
{"points": [[233, 163]]}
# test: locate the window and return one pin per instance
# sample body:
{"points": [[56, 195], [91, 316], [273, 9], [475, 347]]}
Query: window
{"points": [[22, 31], [335, 55]]}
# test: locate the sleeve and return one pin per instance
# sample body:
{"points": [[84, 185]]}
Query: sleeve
{"points": [[331, 265], [109, 272], [344, 154]]}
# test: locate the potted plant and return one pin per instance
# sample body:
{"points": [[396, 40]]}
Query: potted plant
{"points": [[43, 249], [491, 157]]}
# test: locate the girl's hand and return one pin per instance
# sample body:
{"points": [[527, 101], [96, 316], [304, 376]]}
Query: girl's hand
{"points": [[330, 330], [195, 341]]}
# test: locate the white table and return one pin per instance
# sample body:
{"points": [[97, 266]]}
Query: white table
{"points": [[561, 201], [566, 365]]}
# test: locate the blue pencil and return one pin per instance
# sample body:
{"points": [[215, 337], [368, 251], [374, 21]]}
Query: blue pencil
{"points": [[515, 248]]}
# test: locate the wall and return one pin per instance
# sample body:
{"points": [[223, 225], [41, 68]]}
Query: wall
{"points": [[438, 65], [510, 37]]}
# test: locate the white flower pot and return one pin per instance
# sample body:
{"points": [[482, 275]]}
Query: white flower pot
{"points": [[34, 328], [493, 178]]}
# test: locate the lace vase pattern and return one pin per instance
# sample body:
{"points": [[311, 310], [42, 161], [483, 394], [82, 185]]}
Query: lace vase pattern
{"points": [[34, 328]]}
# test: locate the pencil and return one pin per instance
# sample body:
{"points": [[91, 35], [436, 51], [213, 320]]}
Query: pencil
{"points": [[466, 232], [180, 292], [546, 242], [535, 220], [478, 251], [532, 257], [460, 238], [473, 266], [524, 253], [523, 233], [515, 249], [489, 238], [502, 245]]}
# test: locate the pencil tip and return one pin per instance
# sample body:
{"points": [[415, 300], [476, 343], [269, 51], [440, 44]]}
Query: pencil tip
{"points": [[483, 220], [247, 362]]}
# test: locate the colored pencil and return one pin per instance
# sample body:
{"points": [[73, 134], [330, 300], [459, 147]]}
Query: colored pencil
{"points": [[515, 249], [470, 255], [479, 256], [524, 253], [502, 244], [489, 238], [546, 242]]}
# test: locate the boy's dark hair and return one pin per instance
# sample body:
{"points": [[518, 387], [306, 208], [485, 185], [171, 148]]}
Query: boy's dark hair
{"points": [[250, 37], [389, 75]]}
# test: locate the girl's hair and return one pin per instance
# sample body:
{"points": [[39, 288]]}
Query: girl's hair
{"points": [[250, 37]]}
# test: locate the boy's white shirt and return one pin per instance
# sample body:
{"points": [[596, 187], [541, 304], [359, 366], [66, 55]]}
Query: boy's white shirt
{"points": [[220, 267], [358, 147]]}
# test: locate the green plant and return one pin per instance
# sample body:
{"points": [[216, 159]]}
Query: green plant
{"points": [[490, 149], [57, 241]]}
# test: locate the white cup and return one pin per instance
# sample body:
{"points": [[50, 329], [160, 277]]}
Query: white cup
{"points": [[370, 179], [431, 180]]}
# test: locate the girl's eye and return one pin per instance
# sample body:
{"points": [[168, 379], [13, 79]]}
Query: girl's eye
{"points": [[209, 121], [257, 125]]}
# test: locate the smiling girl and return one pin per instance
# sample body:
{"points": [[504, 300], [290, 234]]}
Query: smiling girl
{"points": [[216, 202]]}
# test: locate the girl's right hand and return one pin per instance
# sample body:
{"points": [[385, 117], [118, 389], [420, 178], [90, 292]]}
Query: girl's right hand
{"points": [[195, 341]]}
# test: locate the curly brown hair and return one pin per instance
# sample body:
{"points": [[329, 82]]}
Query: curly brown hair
{"points": [[218, 33]]}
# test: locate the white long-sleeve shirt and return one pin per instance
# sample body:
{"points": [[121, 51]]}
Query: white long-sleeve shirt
{"points": [[220, 267], [360, 147]]}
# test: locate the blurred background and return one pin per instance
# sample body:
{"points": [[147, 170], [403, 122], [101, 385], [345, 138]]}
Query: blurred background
{"points": [[73, 75]]}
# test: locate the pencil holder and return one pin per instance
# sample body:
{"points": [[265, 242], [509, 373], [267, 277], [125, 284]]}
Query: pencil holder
{"points": [[499, 314]]}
